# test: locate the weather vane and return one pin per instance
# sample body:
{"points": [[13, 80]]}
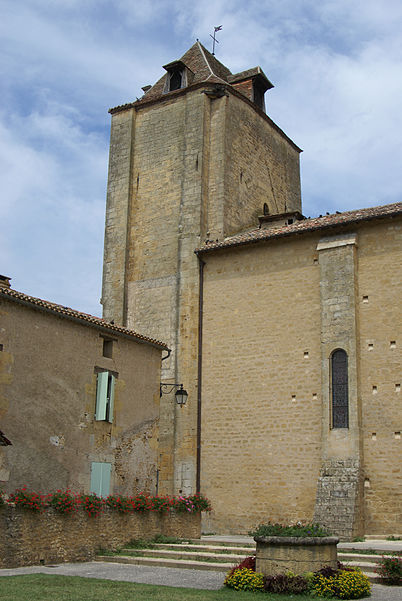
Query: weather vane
{"points": [[214, 38]]}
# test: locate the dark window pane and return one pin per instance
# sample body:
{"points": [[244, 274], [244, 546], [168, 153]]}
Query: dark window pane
{"points": [[175, 81], [340, 395]]}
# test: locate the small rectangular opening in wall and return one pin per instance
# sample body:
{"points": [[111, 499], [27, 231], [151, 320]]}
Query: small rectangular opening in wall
{"points": [[370, 346], [293, 397], [374, 436], [392, 344], [1, 347], [375, 389], [365, 299], [367, 483], [397, 435], [397, 388], [314, 395], [107, 348], [315, 261], [305, 354]]}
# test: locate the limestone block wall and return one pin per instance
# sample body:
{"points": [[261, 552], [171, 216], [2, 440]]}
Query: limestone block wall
{"points": [[176, 168], [31, 539], [261, 386], [380, 352], [273, 314]]}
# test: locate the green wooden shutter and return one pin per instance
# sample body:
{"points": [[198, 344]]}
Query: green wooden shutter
{"points": [[111, 397], [101, 395], [100, 478]]}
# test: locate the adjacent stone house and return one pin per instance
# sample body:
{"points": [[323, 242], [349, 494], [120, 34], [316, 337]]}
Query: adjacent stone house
{"points": [[79, 400]]}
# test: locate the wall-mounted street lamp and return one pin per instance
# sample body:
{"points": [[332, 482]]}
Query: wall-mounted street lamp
{"points": [[180, 394]]}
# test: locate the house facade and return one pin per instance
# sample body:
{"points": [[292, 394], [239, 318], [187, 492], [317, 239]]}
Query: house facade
{"points": [[79, 400]]}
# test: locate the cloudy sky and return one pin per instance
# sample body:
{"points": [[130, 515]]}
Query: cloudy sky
{"points": [[337, 70]]}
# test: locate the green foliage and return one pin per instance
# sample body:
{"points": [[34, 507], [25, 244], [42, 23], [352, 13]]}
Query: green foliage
{"points": [[392, 537], [168, 540], [286, 583], [342, 584], [2, 499], [63, 501], [91, 504], [26, 499], [299, 529], [245, 580], [390, 569], [191, 503], [119, 503]]}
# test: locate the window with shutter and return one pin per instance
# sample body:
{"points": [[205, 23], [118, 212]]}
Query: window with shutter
{"points": [[104, 396], [100, 478]]}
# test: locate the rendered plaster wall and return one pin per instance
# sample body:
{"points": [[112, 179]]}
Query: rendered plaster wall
{"points": [[47, 405], [175, 168]]}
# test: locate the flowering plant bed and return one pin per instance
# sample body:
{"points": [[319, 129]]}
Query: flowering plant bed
{"points": [[339, 583], [298, 529], [69, 502], [390, 570]]}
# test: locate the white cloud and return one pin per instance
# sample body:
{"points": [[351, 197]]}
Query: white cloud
{"points": [[337, 71]]}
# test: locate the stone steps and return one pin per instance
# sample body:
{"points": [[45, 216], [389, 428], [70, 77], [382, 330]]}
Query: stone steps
{"points": [[167, 563], [221, 556]]}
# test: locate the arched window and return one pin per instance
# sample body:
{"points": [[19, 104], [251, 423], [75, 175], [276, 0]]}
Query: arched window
{"points": [[339, 389]]}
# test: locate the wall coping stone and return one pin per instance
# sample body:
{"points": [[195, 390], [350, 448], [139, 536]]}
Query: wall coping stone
{"points": [[297, 540]]}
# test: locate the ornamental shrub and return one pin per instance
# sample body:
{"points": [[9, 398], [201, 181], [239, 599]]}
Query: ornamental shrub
{"points": [[390, 570], [352, 585], [63, 501], [92, 504], [248, 562], [298, 529], [286, 583], [245, 580], [343, 584], [21, 497]]}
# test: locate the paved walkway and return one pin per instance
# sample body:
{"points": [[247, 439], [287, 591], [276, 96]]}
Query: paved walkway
{"points": [[198, 579], [161, 576]]}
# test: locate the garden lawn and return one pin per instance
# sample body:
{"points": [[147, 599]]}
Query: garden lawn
{"points": [[45, 587]]}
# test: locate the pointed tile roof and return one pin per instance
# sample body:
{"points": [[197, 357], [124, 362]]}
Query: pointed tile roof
{"points": [[202, 67]]}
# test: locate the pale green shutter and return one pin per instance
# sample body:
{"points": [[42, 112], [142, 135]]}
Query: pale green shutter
{"points": [[101, 395], [100, 478], [111, 397]]}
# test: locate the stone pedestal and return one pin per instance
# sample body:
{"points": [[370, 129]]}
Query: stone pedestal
{"points": [[281, 554]]}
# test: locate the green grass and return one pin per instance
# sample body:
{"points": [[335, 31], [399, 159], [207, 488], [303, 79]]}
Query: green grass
{"points": [[45, 587], [367, 552]]}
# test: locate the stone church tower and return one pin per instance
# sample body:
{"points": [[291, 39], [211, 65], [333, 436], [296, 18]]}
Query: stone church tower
{"points": [[195, 159]]}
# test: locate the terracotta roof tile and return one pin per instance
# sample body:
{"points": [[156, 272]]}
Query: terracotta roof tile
{"points": [[306, 225], [85, 318]]}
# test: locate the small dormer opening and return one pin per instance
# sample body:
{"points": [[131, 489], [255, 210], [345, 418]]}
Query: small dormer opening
{"points": [[175, 80], [178, 76], [258, 94]]}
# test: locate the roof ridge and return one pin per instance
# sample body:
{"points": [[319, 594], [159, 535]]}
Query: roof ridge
{"points": [[68, 312], [321, 222], [200, 47]]}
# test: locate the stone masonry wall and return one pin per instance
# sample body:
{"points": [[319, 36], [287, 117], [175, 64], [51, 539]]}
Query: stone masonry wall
{"points": [[338, 504], [30, 539], [175, 168], [261, 387]]}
